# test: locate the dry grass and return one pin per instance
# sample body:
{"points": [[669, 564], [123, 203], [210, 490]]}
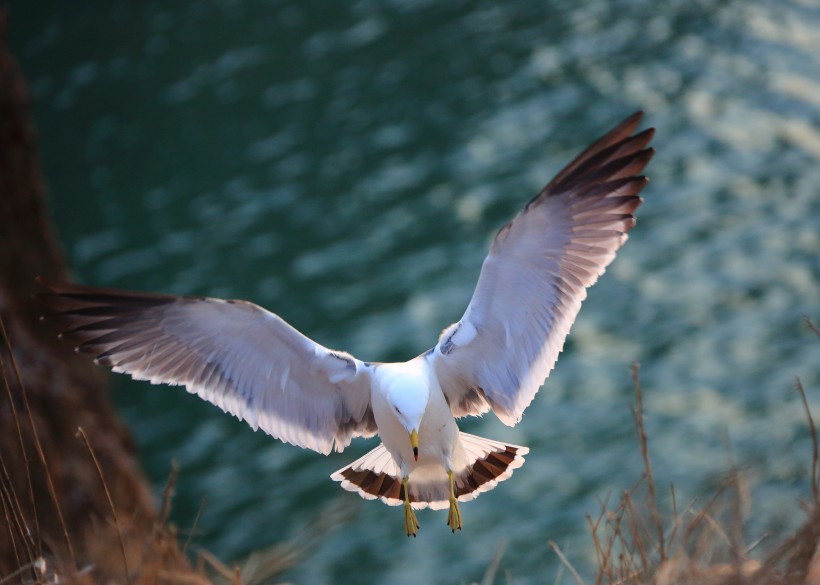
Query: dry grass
{"points": [[635, 544], [114, 549], [47, 549]]}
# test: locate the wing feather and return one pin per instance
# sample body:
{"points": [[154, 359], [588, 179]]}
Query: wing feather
{"points": [[535, 277], [235, 354]]}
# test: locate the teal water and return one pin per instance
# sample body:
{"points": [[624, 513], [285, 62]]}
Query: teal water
{"points": [[346, 165]]}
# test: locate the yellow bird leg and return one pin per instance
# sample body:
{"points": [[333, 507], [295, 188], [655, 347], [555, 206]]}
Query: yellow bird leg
{"points": [[454, 517], [411, 524]]}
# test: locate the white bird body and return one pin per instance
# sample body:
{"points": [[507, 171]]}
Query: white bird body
{"points": [[254, 365], [411, 390], [407, 396], [408, 390]]}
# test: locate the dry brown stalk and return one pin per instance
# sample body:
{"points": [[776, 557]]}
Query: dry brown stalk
{"points": [[38, 446], [653, 501], [81, 434]]}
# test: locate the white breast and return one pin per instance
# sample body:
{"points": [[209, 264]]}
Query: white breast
{"points": [[411, 388]]}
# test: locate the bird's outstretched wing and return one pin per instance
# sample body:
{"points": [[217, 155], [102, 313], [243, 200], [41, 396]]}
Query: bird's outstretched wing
{"points": [[535, 277], [235, 354]]}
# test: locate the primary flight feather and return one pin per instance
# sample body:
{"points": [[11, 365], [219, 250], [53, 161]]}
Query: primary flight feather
{"points": [[251, 363]]}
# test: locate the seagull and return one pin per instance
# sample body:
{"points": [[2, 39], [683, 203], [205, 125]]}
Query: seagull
{"points": [[252, 364]]}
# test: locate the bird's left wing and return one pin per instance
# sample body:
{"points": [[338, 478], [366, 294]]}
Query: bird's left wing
{"points": [[235, 354], [535, 277]]}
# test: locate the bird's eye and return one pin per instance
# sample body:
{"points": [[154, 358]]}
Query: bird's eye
{"points": [[397, 410]]}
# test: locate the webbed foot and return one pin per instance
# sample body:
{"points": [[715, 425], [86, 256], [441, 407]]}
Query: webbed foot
{"points": [[411, 523], [454, 517]]}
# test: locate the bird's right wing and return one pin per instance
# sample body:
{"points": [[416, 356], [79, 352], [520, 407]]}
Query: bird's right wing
{"points": [[235, 354], [535, 277]]}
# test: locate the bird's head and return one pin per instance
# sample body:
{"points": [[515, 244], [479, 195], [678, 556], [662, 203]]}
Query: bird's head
{"points": [[409, 401]]}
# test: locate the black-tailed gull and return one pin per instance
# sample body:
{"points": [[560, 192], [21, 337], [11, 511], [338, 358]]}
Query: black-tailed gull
{"points": [[251, 363]]}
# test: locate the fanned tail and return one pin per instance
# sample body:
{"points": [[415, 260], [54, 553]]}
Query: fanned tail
{"points": [[373, 476], [486, 463], [491, 462]]}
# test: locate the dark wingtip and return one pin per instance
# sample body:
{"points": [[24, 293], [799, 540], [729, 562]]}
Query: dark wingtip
{"points": [[630, 122], [636, 116], [595, 155]]}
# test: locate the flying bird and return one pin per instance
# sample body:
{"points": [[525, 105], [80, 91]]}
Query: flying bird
{"points": [[254, 365]]}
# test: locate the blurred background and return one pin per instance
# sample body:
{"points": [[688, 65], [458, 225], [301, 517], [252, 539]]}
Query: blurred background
{"points": [[346, 166]]}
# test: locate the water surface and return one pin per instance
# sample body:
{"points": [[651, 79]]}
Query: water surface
{"points": [[346, 165]]}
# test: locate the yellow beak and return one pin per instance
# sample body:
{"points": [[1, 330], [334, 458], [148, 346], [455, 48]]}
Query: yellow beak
{"points": [[414, 441]]}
